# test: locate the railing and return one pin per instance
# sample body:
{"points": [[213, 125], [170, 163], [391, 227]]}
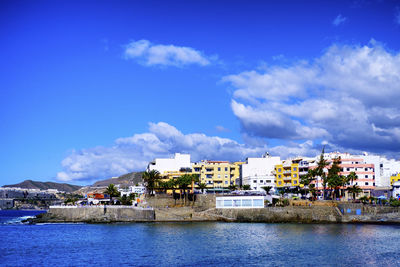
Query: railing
{"points": [[98, 206]]}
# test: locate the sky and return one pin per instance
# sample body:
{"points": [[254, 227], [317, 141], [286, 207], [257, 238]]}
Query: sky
{"points": [[95, 89]]}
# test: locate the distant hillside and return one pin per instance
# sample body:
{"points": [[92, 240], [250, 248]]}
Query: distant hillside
{"points": [[131, 178], [29, 184]]}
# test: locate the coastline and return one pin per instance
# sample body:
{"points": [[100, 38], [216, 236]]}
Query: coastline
{"points": [[289, 214]]}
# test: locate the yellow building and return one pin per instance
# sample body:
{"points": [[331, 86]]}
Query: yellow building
{"points": [[287, 174], [217, 174], [394, 178]]}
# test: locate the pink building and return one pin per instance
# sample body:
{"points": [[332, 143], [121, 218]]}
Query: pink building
{"points": [[352, 163]]}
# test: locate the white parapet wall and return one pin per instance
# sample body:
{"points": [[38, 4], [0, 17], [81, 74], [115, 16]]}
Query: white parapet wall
{"points": [[240, 202]]}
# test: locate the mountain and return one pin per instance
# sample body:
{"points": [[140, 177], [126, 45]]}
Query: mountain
{"points": [[29, 184], [131, 178]]}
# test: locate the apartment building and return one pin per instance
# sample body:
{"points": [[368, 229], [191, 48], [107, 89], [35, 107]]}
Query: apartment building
{"points": [[217, 174], [289, 172], [352, 163], [259, 172], [175, 164]]}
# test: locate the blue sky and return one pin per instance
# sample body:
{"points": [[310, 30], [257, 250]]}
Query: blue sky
{"points": [[93, 89]]}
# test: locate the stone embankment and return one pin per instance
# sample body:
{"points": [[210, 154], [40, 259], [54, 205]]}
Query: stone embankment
{"points": [[164, 209], [96, 214]]}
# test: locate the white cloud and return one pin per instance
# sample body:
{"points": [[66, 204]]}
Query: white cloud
{"points": [[163, 140], [150, 54], [134, 153], [339, 20], [222, 129], [348, 97]]}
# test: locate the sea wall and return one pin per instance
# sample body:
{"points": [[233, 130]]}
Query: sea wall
{"points": [[202, 202], [97, 214], [314, 214]]}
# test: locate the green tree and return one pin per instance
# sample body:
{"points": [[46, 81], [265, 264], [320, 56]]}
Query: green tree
{"points": [[232, 187], [334, 178], [319, 170], [125, 200], [151, 180], [246, 187], [202, 186], [267, 189], [355, 190], [185, 180], [307, 181], [112, 191]]}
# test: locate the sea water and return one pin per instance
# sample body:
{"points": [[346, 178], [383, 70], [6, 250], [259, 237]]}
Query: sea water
{"points": [[197, 244]]}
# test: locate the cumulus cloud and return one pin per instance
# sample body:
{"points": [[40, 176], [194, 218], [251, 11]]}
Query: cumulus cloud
{"points": [[339, 20], [133, 153], [347, 97], [150, 54]]}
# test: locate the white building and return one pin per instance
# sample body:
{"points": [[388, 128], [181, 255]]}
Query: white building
{"points": [[258, 172], [386, 169], [132, 189], [239, 202], [176, 163], [396, 190]]}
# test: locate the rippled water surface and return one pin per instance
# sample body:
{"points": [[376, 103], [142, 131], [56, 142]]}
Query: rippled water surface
{"points": [[180, 244]]}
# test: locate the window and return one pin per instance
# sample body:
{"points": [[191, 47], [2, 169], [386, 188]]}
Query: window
{"points": [[226, 175], [279, 183], [279, 176], [366, 176], [226, 182], [294, 182], [258, 203], [261, 181], [374, 184], [366, 169], [366, 183], [294, 175], [294, 169], [267, 181], [226, 169], [209, 175], [219, 169], [237, 203], [246, 202], [348, 169], [279, 170], [254, 181], [219, 175], [227, 203]]}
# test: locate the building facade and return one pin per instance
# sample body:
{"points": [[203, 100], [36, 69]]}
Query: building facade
{"points": [[289, 172], [217, 174], [259, 172], [178, 162]]}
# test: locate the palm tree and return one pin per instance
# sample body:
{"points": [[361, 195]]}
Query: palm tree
{"points": [[246, 187], [355, 190], [232, 187], [185, 180], [112, 191], [267, 189], [202, 186], [351, 178], [151, 179]]}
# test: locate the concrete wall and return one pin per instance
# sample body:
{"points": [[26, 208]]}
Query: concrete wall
{"points": [[203, 201], [281, 214], [99, 214]]}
